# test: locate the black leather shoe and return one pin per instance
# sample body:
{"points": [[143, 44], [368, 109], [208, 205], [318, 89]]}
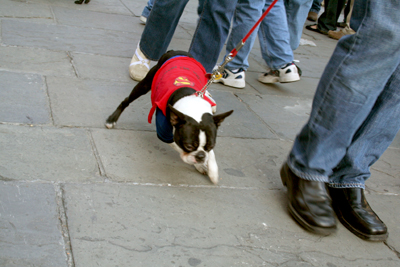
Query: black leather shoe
{"points": [[354, 212], [309, 203]]}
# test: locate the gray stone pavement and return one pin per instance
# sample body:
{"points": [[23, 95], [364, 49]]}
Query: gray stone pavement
{"points": [[73, 193]]}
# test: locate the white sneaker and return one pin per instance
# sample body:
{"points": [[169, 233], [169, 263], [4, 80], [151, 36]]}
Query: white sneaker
{"points": [[143, 19], [139, 66], [234, 79], [289, 73]]}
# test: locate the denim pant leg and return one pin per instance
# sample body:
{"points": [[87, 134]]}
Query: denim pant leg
{"points": [[246, 15], [160, 27], [147, 9], [274, 37], [296, 12], [212, 31], [327, 21], [352, 83], [372, 138], [316, 6]]}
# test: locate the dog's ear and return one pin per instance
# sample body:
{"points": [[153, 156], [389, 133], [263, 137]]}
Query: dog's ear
{"points": [[218, 119], [175, 116]]}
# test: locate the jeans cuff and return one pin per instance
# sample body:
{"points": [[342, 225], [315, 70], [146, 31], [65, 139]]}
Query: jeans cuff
{"points": [[307, 176], [347, 185]]}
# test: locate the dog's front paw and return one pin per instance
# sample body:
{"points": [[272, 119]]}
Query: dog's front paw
{"points": [[201, 168], [212, 168], [109, 125]]}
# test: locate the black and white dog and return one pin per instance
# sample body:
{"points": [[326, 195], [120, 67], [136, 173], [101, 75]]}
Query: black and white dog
{"points": [[184, 119]]}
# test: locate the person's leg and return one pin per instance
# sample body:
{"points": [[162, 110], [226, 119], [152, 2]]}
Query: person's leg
{"points": [[328, 20], [156, 36], [212, 31], [347, 93], [274, 40], [316, 6], [160, 27], [314, 10], [347, 182], [296, 12], [147, 9], [246, 15]]}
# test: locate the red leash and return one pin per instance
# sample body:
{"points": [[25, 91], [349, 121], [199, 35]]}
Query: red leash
{"points": [[217, 73]]}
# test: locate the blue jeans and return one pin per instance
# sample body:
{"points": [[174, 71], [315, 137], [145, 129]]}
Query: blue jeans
{"points": [[274, 37], [296, 12], [164, 127], [160, 27], [316, 6], [246, 14], [356, 108], [148, 8], [212, 31]]}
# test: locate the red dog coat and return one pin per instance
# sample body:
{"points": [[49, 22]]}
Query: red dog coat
{"points": [[177, 72]]}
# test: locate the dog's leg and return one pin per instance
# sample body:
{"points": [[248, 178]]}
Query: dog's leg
{"points": [[78, 2], [142, 88], [212, 167]]}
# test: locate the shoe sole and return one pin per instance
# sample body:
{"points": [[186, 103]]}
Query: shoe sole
{"points": [[241, 86], [290, 79], [274, 80], [301, 221], [368, 237]]}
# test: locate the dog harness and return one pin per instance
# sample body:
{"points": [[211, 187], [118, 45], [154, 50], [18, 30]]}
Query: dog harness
{"points": [[177, 72]]}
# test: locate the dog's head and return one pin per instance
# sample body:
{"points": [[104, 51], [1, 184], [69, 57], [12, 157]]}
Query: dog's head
{"points": [[196, 138]]}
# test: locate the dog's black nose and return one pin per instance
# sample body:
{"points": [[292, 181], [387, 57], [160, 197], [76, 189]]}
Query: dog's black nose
{"points": [[200, 156]]}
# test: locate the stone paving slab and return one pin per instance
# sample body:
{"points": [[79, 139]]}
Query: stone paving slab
{"points": [[305, 88], [243, 123], [69, 38], [127, 156], [23, 98], [33, 60], [103, 6], [100, 67], [24, 9], [30, 232], [284, 115], [129, 24], [81, 102], [385, 174], [174, 226], [45, 153]]}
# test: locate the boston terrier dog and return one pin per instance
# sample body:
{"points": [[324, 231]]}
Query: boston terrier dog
{"points": [[184, 119]]}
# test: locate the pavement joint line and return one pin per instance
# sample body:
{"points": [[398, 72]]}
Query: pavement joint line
{"points": [[71, 60], [108, 182], [100, 165], [62, 216], [255, 114], [48, 100], [392, 249]]}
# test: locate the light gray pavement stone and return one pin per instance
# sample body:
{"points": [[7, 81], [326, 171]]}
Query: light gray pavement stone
{"points": [[33, 60], [46, 153], [24, 9], [192, 226], [248, 163], [83, 195], [290, 114], [30, 229], [23, 98], [69, 38]]}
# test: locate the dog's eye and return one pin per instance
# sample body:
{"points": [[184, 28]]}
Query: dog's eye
{"points": [[208, 147], [189, 147]]}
